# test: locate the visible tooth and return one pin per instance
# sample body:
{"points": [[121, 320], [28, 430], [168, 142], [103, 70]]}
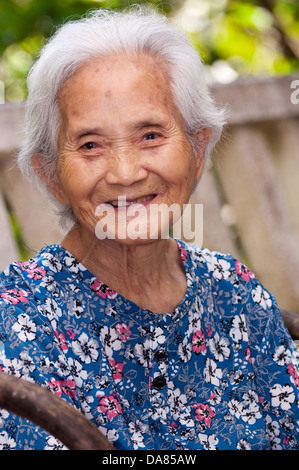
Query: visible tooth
{"points": [[122, 202]]}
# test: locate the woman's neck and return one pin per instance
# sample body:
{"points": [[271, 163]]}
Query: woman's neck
{"points": [[143, 273]]}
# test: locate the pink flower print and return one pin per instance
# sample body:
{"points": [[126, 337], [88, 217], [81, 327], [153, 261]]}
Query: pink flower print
{"points": [[243, 271], [199, 342], [248, 355], [62, 340], [294, 374], [14, 296], [109, 404], [204, 413], [34, 271], [63, 386], [183, 252], [123, 331], [116, 369], [101, 289], [69, 388], [71, 334], [56, 386], [150, 382], [209, 331]]}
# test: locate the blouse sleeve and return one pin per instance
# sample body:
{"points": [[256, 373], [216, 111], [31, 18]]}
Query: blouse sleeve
{"points": [[275, 363], [24, 337]]}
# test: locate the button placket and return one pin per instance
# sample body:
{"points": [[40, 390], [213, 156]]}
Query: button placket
{"points": [[158, 369]]}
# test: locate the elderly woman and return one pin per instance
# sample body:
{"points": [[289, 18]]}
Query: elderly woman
{"points": [[161, 345]]}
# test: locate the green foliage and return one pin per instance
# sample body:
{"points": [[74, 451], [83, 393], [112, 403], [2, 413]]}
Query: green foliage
{"points": [[250, 37]]}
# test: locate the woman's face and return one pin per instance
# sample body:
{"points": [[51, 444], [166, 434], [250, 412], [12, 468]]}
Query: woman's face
{"points": [[123, 150]]}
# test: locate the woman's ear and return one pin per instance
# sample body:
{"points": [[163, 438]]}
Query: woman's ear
{"points": [[51, 181], [202, 139]]}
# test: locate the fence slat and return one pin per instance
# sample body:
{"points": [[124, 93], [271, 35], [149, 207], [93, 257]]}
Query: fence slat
{"points": [[252, 186], [33, 212], [8, 246]]}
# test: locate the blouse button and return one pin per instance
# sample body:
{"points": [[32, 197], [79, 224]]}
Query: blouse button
{"points": [[159, 382], [161, 355]]}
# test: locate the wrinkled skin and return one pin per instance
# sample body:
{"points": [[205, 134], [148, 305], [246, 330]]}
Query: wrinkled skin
{"points": [[123, 136]]}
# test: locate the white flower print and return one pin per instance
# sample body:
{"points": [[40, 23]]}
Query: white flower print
{"points": [[159, 413], [12, 366], [262, 297], [219, 347], [78, 373], [238, 331], [248, 409], [25, 328], [235, 407], [27, 363], [282, 355], [61, 366], [243, 445], [76, 307], [219, 267], [73, 264], [52, 262], [177, 402], [110, 434], [50, 309], [85, 401], [3, 415], [49, 283], [6, 442], [110, 340], [194, 321], [54, 444], [157, 337], [251, 414], [212, 373], [86, 349], [137, 429], [142, 353], [208, 441], [273, 427], [283, 396], [185, 350]]}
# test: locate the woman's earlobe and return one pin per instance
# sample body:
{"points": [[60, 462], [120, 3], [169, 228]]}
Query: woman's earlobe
{"points": [[38, 165], [203, 137]]}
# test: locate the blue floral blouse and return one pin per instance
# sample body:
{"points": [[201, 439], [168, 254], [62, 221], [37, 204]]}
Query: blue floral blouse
{"points": [[219, 372]]}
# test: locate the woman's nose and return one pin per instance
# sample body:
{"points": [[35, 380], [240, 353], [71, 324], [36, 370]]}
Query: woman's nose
{"points": [[125, 168]]}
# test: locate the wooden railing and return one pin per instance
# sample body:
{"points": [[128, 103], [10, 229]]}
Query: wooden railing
{"points": [[249, 191]]}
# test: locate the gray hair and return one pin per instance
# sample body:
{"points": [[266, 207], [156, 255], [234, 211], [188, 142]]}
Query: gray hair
{"points": [[98, 34]]}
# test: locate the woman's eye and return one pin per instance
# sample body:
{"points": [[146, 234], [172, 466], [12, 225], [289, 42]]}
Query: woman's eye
{"points": [[89, 146], [151, 136]]}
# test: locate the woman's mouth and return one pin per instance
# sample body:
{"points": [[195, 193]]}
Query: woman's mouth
{"points": [[122, 201]]}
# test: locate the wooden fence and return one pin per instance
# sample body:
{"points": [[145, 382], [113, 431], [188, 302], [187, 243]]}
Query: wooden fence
{"points": [[249, 191]]}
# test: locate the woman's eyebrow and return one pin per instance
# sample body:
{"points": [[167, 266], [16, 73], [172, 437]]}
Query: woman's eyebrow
{"points": [[83, 132]]}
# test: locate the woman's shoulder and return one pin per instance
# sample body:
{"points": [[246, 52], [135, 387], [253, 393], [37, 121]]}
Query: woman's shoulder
{"points": [[22, 279], [229, 279], [220, 266]]}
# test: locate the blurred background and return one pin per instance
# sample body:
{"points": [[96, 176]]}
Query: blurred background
{"points": [[249, 192], [234, 38]]}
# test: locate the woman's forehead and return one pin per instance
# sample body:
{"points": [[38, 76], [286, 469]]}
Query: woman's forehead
{"points": [[136, 89], [118, 69]]}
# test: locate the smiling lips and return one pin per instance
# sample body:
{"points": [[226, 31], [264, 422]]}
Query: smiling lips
{"points": [[123, 202]]}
